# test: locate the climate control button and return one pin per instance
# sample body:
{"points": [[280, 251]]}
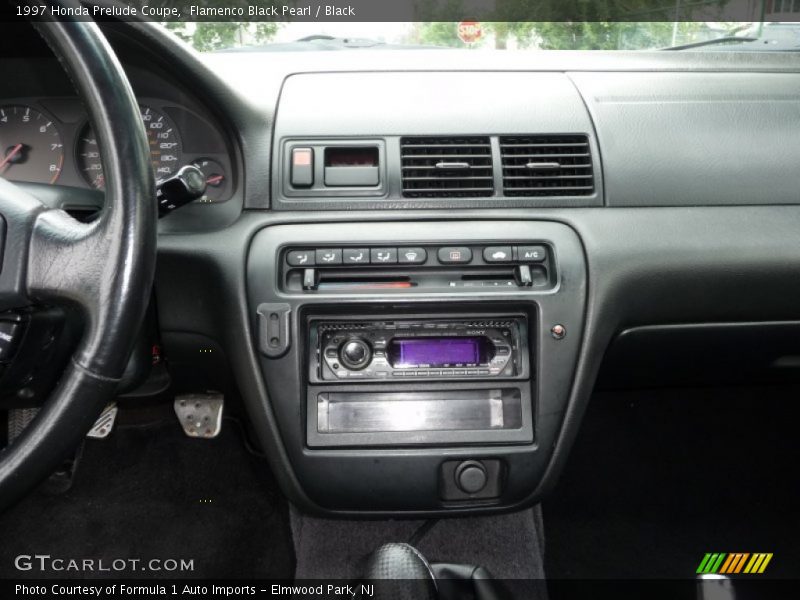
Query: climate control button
{"points": [[412, 256], [454, 255], [497, 254]]}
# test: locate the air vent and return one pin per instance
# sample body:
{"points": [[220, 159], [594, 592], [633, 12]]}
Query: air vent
{"points": [[547, 165], [446, 167]]}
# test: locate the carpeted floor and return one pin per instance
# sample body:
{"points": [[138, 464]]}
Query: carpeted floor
{"points": [[656, 480], [659, 478], [509, 546], [150, 492]]}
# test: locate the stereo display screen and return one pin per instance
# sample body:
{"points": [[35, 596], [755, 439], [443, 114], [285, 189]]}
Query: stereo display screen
{"points": [[437, 352]]}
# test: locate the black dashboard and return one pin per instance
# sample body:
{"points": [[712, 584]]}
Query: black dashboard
{"points": [[537, 206]]}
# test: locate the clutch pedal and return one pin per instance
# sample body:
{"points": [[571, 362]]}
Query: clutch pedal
{"points": [[200, 415]]}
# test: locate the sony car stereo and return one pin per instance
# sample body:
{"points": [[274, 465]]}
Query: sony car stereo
{"points": [[419, 349]]}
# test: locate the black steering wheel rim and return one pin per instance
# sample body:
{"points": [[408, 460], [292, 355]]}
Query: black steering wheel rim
{"points": [[105, 268]]}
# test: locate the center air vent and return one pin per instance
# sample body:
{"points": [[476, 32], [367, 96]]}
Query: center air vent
{"points": [[446, 167], [546, 165]]}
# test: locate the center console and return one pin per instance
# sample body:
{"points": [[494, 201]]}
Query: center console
{"points": [[483, 361], [417, 367]]}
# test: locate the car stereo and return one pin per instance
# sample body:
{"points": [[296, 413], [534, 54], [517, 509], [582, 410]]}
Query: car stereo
{"points": [[419, 349]]}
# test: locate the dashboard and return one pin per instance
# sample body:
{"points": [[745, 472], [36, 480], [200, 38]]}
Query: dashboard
{"points": [[526, 212]]}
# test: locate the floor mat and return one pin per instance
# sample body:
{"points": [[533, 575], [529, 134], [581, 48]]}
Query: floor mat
{"points": [[509, 546], [149, 492], [659, 478]]}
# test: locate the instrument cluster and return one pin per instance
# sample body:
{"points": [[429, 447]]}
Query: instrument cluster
{"points": [[51, 141]]}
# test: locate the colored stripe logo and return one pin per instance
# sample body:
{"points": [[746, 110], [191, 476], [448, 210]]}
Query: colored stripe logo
{"points": [[724, 563]]}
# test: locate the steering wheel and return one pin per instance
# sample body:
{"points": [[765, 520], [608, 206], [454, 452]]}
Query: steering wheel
{"points": [[104, 268]]}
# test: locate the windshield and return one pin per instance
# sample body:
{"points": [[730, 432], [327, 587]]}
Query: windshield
{"points": [[490, 36]]}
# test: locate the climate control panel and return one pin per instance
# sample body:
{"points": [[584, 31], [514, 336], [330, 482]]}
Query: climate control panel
{"points": [[418, 267]]}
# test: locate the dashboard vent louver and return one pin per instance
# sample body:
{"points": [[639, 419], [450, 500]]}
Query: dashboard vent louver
{"points": [[547, 165], [446, 167]]}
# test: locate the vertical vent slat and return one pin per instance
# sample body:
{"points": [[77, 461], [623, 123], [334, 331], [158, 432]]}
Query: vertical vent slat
{"points": [[547, 165], [446, 167]]}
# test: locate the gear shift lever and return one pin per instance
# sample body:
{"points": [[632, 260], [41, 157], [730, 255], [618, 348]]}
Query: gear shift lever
{"points": [[400, 572]]}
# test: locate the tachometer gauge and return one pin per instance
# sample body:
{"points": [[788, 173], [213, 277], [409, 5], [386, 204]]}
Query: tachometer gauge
{"points": [[217, 184], [30, 146], [165, 148]]}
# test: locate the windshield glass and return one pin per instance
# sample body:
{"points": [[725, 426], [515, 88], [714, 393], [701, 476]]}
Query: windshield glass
{"points": [[490, 36]]}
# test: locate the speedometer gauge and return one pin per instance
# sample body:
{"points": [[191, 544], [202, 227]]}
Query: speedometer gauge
{"points": [[30, 145], [165, 148]]}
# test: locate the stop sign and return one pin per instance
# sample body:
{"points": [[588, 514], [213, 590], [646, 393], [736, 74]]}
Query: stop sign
{"points": [[469, 32]]}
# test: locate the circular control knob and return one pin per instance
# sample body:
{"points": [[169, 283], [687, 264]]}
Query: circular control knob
{"points": [[355, 353], [471, 477]]}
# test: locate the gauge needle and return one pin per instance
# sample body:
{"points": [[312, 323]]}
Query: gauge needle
{"points": [[10, 155], [214, 180]]}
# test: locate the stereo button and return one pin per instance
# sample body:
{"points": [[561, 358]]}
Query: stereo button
{"points": [[355, 354]]}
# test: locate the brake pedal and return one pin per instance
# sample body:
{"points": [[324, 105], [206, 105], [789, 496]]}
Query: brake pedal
{"points": [[105, 423], [200, 415]]}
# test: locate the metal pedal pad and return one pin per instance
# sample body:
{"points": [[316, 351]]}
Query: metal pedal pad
{"points": [[200, 415], [105, 423]]}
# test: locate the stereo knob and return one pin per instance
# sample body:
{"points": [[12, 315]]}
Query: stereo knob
{"points": [[355, 354]]}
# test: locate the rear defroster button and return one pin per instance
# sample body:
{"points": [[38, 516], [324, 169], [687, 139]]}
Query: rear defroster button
{"points": [[454, 255]]}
